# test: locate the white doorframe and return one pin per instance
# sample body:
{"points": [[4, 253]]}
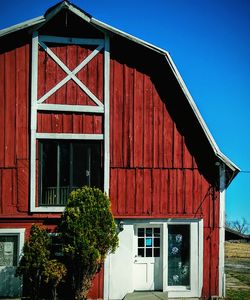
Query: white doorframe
{"points": [[19, 232], [123, 259]]}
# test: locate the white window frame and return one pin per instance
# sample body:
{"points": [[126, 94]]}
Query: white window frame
{"points": [[19, 232], [196, 266], [40, 105]]}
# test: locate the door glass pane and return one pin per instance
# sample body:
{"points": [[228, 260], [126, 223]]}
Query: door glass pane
{"points": [[178, 255], [8, 250], [148, 242]]}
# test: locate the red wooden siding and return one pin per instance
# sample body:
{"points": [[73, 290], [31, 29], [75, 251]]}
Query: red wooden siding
{"points": [[69, 123], [14, 122], [154, 174], [50, 73], [153, 171]]}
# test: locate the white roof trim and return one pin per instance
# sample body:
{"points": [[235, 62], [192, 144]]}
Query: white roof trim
{"points": [[42, 20], [22, 25], [127, 36], [195, 109]]}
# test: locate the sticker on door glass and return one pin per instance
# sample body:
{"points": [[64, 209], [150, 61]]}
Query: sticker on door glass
{"points": [[148, 242]]}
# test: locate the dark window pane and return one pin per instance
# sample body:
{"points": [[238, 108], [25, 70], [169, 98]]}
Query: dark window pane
{"points": [[140, 231], [157, 232], [178, 255], [66, 165], [149, 252], [156, 252], [141, 252], [157, 242], [148, 231], [141, 242]]}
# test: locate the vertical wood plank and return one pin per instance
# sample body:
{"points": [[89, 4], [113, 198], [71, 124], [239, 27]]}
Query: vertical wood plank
{"points": [[156, 191], [82, 75], [7, 191], [126, 109], [172, 191], [121, 193], [140, 205], [130, 192], [189, 191], [10, 108], [148, 122], [42, 58], [118, 115], [180, 196], [60, 75], [178, 144], [167, 139], [50, 77], [113, 190], [138, 119], [21, 103], [22, 185], [197, 192], [2, 110], [187, 157], [147, 191]]}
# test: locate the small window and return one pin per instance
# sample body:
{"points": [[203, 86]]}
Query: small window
{"points": [[8, 250], [65, 166], [149, 242], [179, 255]]}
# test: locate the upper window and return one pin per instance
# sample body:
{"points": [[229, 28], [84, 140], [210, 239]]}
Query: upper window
{"points": [[65, 166]]}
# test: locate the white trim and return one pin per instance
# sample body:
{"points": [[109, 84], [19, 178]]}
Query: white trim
{"points": [[70, 40], [106, 150], [79, 13], [197, 113], [48, 209], [222, 292], [70, 108], [15, 231], [200, 253], [164, 258], [180, 292], [71, 75], [106, 115], [34, 80], [22, 25], [69, 136]]}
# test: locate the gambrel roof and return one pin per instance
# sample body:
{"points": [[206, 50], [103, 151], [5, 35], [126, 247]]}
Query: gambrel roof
{"points": [[36, 23]]}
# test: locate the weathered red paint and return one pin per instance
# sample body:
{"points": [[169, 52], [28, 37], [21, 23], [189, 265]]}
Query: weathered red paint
{"points": [[154, 172]]}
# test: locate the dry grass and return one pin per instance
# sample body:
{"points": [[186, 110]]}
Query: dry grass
{"points": [[238, 254], [239, 250]]}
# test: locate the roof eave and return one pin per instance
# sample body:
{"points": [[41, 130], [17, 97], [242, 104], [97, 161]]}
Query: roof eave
{"points": [[23, 25]]}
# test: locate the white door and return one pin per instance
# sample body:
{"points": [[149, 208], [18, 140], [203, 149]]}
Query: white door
{"points": [[148, 258], [9, 284]]}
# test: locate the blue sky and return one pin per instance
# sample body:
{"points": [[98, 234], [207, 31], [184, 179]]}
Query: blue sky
{"points": [[209, 41]]}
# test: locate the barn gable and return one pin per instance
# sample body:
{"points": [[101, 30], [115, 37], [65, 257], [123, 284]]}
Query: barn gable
{"points": [[67, 18], [94, 105]]}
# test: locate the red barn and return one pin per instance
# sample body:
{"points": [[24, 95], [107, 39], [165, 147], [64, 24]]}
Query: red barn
{"points": [[85, 103]]}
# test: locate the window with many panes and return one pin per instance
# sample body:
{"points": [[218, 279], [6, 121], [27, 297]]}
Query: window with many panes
{"points": [[67, 165], [149, 242]]}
